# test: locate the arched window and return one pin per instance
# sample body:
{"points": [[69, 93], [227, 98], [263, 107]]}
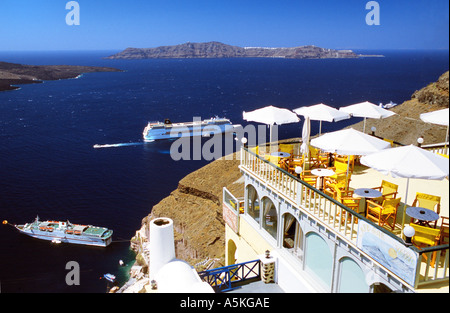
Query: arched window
{"points": [[292, 234], [270, 217], [253, 207], [352, 279], [318, 258]]}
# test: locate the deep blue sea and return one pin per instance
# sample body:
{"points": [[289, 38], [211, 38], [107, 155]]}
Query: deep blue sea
{"points": [[49, 168]]}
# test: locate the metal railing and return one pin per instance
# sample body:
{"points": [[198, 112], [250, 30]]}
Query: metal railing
{"points": [[227, 278], [335, 215]]}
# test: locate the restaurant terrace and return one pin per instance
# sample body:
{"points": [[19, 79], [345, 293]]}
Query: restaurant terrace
{"points": [[333, 224]]}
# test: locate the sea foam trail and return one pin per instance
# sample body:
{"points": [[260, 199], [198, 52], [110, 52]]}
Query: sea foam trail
{"points": [[114, 145]]}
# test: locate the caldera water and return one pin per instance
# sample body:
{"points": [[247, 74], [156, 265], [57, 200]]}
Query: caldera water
{"points": [[49, 167]]}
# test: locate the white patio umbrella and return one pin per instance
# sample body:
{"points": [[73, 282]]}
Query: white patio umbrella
{"points": [[306, 133], [321, 112], [349, 142], [439, 117], [367, 110], [271, 115], [408, 162]]}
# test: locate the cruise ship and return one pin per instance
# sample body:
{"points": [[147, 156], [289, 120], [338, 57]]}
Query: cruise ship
{"points": [[168, 130], [66, 232]]}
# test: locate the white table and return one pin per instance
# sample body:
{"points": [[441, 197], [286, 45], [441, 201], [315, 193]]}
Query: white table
{"points": [[321, 173], [280, 154], [422, 215], [366, 193]]}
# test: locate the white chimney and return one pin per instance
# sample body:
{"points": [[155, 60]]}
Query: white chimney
{"points": [[162, 247]]}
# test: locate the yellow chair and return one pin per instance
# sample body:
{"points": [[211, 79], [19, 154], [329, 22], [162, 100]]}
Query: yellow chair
{"points": [[344, 159], [340, 167], [254, 149], [293, 161], [339, 180], [309, 178], [388, 191], [426, 236], [390, 141], [288, 148], [272, 159], [444, 230], [345, 197], [427, 201], [317, 158], [240, 204], [382, 213]]}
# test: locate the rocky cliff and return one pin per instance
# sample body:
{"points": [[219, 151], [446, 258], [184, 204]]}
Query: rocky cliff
{"points": [[196, 209], [219, 50], [15, 74], [406, 126]]}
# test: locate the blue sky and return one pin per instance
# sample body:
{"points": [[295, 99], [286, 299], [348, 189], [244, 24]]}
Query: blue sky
{"points": [[113, 24]]}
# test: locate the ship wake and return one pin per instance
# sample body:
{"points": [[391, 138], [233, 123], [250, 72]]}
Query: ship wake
{"points": [[115, 145]]}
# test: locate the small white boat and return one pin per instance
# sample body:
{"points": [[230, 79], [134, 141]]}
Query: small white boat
{"points": [[110, 277], [388, 105]]}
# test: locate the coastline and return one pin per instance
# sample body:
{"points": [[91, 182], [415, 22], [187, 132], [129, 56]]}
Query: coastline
{"points": [[12, 74]]}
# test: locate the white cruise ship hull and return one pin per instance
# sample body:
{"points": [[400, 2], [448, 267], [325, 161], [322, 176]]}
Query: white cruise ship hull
{"points": [[157, 130]]}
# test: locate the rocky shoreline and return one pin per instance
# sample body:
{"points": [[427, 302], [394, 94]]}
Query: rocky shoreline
{"points": [[197, 202], [12, 74]]}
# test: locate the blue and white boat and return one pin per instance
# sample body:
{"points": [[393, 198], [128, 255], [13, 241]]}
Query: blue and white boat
{"points": [[66, 232], [168, 130], [110, 277]]}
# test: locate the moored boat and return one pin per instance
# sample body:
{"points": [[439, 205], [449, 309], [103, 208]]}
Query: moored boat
{"points": [[110, 277], [66, 232]]}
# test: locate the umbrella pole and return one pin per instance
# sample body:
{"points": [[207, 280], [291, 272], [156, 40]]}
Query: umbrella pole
{"points": [[404, 207], [320, 128], [348, 166], [364, 125], [270, 134], [270, 139]]}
